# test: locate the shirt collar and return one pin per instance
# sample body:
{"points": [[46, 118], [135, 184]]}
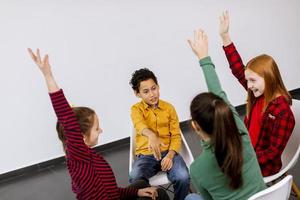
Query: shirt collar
{"points": [[160, 105]]}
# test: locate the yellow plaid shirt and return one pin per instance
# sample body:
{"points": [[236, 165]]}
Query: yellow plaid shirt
{"points": [[162, 120]]}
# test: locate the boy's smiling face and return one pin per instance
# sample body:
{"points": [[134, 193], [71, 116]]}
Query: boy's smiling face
{"points": [[149, 92]]}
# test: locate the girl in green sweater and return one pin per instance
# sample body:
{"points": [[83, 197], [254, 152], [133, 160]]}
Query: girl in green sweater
{"points": [[227, 168]]}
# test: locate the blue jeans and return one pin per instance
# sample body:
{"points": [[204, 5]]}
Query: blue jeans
{"points": [[146, 166], [193, 196]]}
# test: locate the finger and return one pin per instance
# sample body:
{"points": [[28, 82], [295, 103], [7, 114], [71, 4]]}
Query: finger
{"points": [[195, 36], [163, 165], [204, 36], [226, 15], [149, 148], [154, 152], [147, 194], [163, 144], [157, 152], [200, 34], [38, 56], [167, 165], [45, 60], [221, 19], [155, 192], [152, 195], [170, 166], [190, 43], [31, 54]]}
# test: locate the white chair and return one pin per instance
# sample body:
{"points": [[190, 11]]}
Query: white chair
{"points": [[279, 191], [291, 152], [161, 177]]}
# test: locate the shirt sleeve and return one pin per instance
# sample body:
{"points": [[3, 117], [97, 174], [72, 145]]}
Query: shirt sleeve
{"points": [[138, 119], [126, 193], [281, 132], [175, 132], [214, 86], [75, 146], [236, 64]]}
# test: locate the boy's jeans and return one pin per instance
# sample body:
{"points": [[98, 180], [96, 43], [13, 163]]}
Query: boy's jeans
{"points": [[146, 166], [194, 196]]}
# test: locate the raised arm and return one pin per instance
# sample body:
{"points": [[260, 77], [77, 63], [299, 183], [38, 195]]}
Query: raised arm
{"points": [[200, 47], [224, 29], [45, 68], [233, 57], [74, 140]]}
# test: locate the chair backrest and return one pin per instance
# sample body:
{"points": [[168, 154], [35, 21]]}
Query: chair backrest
{"points": [[132, 149], [278, 191], [291, 152]]}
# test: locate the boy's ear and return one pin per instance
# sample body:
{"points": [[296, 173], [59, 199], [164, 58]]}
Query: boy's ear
{"points": [[137, 94]]}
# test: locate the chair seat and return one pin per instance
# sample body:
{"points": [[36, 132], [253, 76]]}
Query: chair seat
{"points": [[159, 179], [279, 191]]}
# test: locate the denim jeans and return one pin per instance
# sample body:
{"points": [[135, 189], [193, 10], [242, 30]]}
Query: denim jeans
{"points": [[146, 166], [193, 196]]}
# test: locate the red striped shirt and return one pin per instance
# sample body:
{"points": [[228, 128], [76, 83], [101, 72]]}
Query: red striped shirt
{"points": [[92, 177]]}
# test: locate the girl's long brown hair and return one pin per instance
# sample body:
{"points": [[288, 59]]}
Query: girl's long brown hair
{"points": [[266, 67], [85, 118], [215, 118]]}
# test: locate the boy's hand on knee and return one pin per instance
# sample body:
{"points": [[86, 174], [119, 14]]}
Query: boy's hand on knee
{"points": [[148, 192], [166, 163]]}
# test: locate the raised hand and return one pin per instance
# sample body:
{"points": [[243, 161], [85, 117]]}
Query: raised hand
{"points": [[45, 68], [224, 28], [200, 44], [43, 64]]}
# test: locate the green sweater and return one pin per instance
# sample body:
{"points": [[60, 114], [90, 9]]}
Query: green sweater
{"points": [[206, 175]]}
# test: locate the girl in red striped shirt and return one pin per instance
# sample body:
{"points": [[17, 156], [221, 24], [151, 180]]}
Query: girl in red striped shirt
{"points": [[78, 129]]}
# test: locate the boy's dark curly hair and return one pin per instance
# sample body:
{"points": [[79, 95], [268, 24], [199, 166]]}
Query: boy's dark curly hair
{"points": [[141, 75]]}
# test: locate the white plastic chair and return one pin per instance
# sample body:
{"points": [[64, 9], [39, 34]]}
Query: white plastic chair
{"points": [[279, 191], [161, 177], [291, 152]]}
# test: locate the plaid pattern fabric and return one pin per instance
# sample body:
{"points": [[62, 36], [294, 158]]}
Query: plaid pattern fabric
{"points": [[277, 122]]}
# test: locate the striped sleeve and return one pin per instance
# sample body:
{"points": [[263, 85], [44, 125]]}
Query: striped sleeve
{"points": [[125, 193], [75, 146]]}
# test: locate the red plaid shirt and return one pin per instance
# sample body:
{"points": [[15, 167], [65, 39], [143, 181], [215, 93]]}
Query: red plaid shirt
{"points": [[277, 121]]}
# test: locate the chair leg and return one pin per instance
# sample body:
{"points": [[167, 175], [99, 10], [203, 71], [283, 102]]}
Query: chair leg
{"points": [[296, 189]]}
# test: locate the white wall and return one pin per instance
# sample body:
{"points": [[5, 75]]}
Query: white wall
{"points": [[94, 47]]}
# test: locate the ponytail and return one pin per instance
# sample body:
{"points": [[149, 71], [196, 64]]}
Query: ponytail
{"points": [[215, 118], [227, 144]]}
